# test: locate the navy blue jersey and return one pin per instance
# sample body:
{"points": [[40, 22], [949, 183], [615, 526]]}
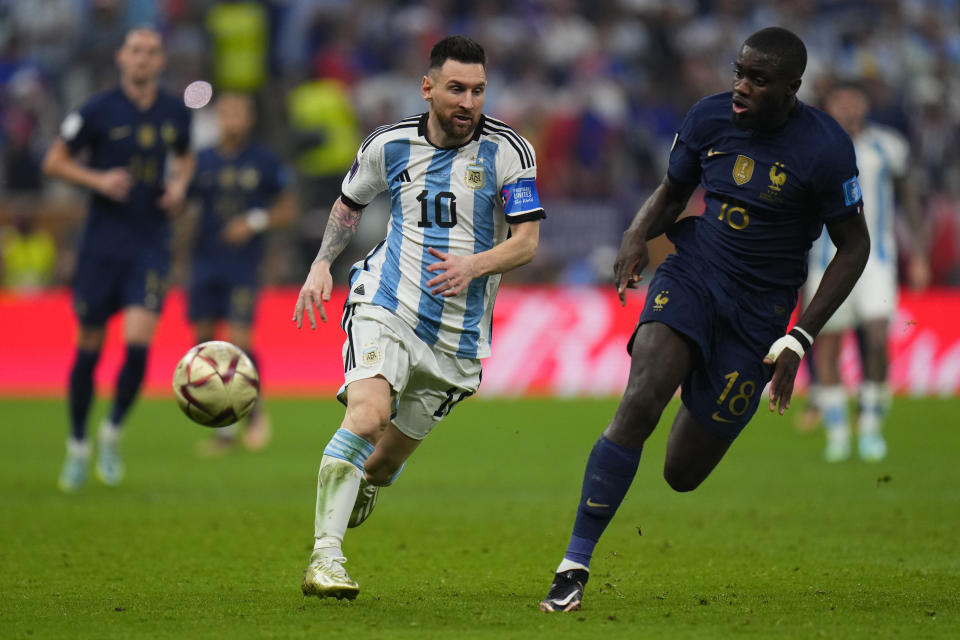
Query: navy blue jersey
{"points": [[229, 186], [117, 133], [768, 193]]}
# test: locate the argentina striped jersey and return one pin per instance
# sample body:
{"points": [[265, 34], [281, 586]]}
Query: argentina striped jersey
{"points": [[882, 155], [457, 200]]}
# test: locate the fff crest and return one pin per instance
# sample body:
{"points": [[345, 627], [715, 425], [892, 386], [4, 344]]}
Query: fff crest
{"points": [[742, 170], [475, 177]]}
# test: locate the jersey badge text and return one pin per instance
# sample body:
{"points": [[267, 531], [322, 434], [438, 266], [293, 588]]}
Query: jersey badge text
{"points": [[371, 355], [742, 170], [476, 176]]}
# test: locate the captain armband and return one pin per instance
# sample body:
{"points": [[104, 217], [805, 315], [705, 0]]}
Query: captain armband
{"points": [[797, 340]]}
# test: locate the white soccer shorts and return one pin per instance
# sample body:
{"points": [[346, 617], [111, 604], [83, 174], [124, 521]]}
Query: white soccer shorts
{"points": [[874, 297], [427, 383]]}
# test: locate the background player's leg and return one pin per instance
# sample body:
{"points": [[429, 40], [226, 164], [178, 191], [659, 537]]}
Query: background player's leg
{"points": [[80, 392], [204, 330], [221, 440], [139, 325], [692, 452], [874, 394], [256, 434], [833, 397]]}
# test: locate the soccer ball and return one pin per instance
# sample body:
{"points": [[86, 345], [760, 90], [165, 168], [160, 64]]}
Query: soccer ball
{"points": [[216, 383]]}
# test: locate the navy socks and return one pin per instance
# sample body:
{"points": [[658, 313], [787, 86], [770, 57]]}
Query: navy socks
{"points": [[81, 391], [129, 381], [610, 470]]}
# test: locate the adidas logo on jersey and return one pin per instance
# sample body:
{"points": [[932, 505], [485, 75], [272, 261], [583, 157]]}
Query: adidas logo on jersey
{"points": [[404, 176], [359, 290]]}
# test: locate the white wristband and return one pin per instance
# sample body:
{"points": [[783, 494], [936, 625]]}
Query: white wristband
{"points": [[786, 342], [258, 219], [797, 340]]}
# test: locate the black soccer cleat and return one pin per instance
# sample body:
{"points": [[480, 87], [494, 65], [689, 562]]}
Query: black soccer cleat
{"points": [[566, 592]]}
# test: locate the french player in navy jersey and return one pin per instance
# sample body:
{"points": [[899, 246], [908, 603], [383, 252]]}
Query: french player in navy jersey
{"points": [[130, 133], [775, 171], [420, 305], [243, 190]]}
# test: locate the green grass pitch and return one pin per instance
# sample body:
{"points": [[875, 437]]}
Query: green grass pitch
{"points": [[775, 544]]}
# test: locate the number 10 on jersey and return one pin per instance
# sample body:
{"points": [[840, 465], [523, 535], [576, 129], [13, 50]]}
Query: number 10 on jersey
{"points": [[445, 200]]}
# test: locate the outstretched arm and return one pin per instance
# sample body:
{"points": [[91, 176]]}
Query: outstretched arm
{"points": [[853, 248], [341, 227], [659, 211], [456, 272]]}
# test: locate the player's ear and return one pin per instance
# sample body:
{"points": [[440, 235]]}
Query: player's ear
{"points": [[426, 87], [794, 86]]}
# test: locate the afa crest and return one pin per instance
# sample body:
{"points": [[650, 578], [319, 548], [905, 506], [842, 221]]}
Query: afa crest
{"points": [[743, 170], [476, 176]]}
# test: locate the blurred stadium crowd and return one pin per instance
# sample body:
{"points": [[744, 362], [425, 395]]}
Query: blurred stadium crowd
{"points": [[597, 86]]}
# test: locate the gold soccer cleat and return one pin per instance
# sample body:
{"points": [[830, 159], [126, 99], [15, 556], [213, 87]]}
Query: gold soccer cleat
{"points": [[325, 577]]}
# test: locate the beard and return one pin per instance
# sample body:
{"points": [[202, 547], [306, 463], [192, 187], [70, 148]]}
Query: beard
{"points": [[455, 129]]}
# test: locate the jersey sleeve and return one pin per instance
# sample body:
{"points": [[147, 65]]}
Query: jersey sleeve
{"points": [[79, 128], [518, 183], [684, 166], [836, 187], [366, 177]]}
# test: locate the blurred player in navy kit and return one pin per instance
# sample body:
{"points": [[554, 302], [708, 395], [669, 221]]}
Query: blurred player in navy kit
{"points": [[243, 190], [775, 171], [124, 251]]}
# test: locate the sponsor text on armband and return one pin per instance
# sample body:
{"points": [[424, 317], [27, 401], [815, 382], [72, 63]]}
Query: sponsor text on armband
{"points": [[521, 196]]}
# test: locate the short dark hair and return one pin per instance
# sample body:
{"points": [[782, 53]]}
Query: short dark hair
{"points": [[459, 48], [782, 44]]}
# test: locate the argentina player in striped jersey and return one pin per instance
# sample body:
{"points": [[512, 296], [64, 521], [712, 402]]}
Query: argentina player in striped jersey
{"points": [[883, 160], [419, 312]]}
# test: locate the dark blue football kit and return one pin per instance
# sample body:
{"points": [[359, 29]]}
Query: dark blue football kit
{"points": [[223, 280], [124, 252], [732, 284]]}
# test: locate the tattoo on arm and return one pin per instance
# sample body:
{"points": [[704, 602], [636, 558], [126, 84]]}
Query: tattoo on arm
{"points": [[341, 227]]}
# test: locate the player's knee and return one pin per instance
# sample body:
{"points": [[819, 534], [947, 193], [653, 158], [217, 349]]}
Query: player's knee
{"points": [[639, 410], [367, 419], [680, 480]]}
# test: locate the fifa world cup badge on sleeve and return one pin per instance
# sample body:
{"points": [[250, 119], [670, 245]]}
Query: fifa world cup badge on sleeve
{"points": [[851, 191], [521, 196]]}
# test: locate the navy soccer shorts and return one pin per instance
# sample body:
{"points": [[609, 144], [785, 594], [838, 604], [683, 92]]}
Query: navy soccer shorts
{"points": [[218, 297], [733, 326], [104, 285]]}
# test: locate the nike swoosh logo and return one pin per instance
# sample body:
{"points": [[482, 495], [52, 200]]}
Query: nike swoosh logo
{"points": [[712, 153], [568, 599], [591, 503], [716, 416]]}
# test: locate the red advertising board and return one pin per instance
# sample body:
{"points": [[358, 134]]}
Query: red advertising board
{"points": [[547, 341]]}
